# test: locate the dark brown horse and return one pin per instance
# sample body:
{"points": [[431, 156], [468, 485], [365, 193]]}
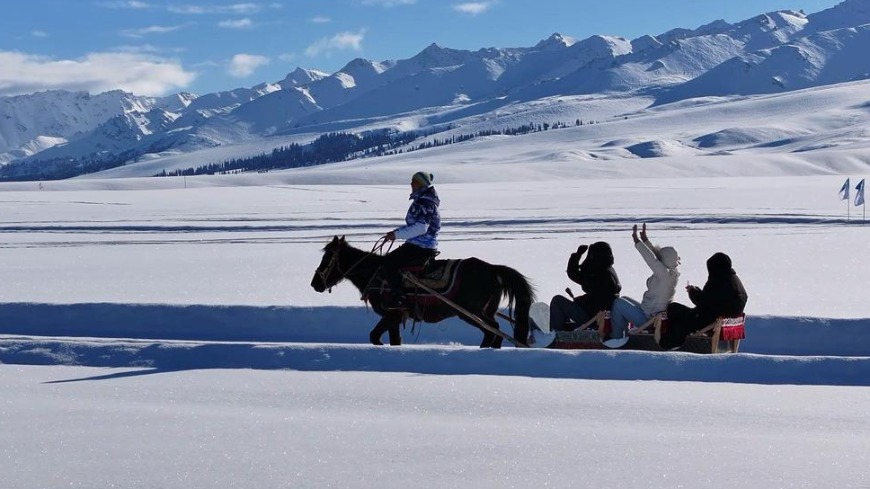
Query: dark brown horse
{"points": [[479, 289]]}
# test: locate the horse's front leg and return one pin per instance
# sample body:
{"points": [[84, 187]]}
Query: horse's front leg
{"points": [[389, 322]]}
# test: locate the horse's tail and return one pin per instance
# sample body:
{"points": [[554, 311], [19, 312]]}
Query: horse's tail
{"points": [[520, 294]]}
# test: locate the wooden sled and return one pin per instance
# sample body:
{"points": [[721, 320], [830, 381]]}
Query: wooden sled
{"points": [[724, 334], [591, 335]]}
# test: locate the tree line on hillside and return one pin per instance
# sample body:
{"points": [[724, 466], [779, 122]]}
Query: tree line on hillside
{"points": [[339, 146]]}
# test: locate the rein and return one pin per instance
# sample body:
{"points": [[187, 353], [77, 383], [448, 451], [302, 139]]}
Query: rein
{"points": [[334, 262]]}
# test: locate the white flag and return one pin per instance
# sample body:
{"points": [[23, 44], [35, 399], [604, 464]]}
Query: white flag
{"points": [[844, 191], [859, 193]]}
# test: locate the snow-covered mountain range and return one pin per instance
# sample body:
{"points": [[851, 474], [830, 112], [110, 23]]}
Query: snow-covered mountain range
{"points": [[442, 87]]}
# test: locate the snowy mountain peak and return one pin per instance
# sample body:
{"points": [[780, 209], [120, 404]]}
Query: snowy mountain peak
{"points": [[363, 67], [435, 56], [597, 46], [645, 42], [301, 77], [555, 41], [853, 7], [783, 19], [849, 13], [266, 88], [769, 29], [59, 114], [175, 102], [718, 26]]}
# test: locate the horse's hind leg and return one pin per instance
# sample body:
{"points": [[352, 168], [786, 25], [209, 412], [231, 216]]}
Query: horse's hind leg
{"points": [[395, 334], [490, 339], [389, 322], [494, 340], [489, 311]]}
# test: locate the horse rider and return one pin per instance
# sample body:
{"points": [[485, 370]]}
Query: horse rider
{"points": [[420, 232]]}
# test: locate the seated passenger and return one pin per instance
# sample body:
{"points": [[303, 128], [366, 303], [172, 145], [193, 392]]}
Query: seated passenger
{"points": [[660, 286], [598, 280], [722, 295]]}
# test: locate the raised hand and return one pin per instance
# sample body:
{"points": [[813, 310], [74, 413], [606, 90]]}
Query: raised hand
{"points": [[634, 234], [643, 233], [582, 249]]}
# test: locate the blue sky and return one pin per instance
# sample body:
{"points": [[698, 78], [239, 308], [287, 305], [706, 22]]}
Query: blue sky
{"points": [[157, 47]]}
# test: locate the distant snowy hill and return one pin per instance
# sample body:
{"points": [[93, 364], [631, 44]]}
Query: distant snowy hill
{"points": [[442, 88], [31, 123]]}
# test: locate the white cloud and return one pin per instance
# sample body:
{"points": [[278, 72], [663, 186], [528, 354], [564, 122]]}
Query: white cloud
{"points": [[243, 65], [340, 41], [134, 4], [39, 34], [236, 24], [389, 3], [22, 73], [287, 57], [472, 8], [320, 20], [154, 29], [238, 8], [143, 48]]}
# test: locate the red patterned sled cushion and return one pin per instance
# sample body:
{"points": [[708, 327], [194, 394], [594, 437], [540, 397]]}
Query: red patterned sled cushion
{"points": [[733, 328]]}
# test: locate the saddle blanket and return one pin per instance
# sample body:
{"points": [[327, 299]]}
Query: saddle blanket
{"points": [[439, 275]]}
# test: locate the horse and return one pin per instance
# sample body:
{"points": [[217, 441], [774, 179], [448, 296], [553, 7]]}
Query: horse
{"points": [[480, 287]]}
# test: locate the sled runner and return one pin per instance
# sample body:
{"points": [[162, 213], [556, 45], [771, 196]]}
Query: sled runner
{"points": [[592, 335]]}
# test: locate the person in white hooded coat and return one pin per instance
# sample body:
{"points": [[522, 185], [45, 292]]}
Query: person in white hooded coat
{"points": [[660, 286]]}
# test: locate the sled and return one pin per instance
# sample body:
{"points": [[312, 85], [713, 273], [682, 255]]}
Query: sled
{"points": [[725, 331], [592, 334]]}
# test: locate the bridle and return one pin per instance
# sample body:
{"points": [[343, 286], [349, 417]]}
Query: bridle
{"points": [[334, 264], [327, 270]]}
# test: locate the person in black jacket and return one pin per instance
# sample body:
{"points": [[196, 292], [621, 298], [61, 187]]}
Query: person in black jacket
{"points": [[722, 296], [598, 280]]}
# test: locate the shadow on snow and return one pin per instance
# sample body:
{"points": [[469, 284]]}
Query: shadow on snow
{"points": [[165, 338]]}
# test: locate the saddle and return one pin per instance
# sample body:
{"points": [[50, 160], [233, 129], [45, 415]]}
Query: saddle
{"points": [[438, 275]]}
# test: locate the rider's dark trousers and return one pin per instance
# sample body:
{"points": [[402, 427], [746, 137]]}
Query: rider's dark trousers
{"points": [[407, 255]]}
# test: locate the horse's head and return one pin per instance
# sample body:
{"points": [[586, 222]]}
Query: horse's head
{"points": [[328, 273]]}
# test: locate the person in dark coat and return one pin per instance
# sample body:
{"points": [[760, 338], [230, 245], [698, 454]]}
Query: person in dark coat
{"points": [[722, 296], [598, 280]]}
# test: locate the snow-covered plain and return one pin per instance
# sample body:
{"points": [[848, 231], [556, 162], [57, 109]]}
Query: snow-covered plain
{"points": [[163, 333]]}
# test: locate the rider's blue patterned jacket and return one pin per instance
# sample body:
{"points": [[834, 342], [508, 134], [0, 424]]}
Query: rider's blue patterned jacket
{"points": [[423, 221]]}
